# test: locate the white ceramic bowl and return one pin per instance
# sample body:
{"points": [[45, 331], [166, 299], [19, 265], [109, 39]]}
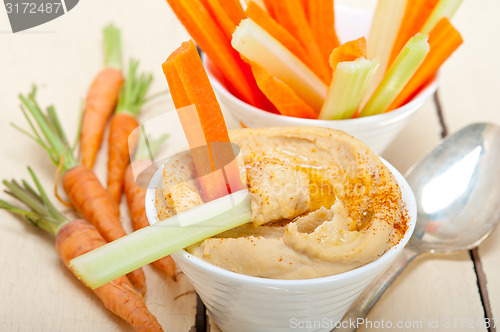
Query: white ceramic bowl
{"points": [[376, 131], [243, 303]]}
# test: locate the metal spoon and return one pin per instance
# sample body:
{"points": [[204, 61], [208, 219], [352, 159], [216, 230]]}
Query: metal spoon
{"points": [[458, 204]]}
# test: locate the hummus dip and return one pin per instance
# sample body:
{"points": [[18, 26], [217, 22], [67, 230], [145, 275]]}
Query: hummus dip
{"points": [[322, 203]]}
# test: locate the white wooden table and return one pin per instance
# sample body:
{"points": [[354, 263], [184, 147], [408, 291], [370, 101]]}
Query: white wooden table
{"points": [[38, 294]]}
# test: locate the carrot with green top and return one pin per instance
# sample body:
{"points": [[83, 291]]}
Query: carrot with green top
{"points": [[101, 98], [121, 143], [136, 198], [444, 39], [75, 238], [83, 188], [189, 85]]}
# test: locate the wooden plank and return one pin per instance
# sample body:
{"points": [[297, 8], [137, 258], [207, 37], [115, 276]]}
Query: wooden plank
{"points": [[470, 84], [434, 293]]}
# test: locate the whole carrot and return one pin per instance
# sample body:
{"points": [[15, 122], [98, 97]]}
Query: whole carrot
{"points": [[80, 183], [75, 238], [120, 141], [101, 98], [136, 198]]}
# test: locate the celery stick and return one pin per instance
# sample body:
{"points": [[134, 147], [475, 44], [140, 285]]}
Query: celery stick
{"points": [[403, 68], [444, 8], [148, 244], [348, 87], [387, 19], [255, 44]]}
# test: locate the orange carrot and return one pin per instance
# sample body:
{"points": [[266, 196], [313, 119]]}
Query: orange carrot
{"points": [[212, 184], [221, 16], [281, 95], [265, 21], [189, 85], [416, 14], [290, 14], [234, 10], [269, 8], [305, 6], [80, 183], [118, 296], [348, 51], [96, 205], [136, 198], [101, 98], [320, 14], [121, 127], [212, 40], [444, 39], [75, 238], [120, 141]]}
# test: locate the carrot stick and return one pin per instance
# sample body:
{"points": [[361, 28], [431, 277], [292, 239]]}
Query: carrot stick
{"points": [[265, 21], [101, 98], [212, 40], [233, 9], [320, 14], [256, 45], [444, 39], [83, 188], [281, 95], [120, 141], [268, 5], [258, 2], [416, 14], [136, 198], [211, 183], [190, 86], [221, 16], [348, 51], [75, 238], [290, 14]]}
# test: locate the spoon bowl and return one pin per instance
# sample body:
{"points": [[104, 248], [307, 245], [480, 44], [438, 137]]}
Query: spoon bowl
{"points": [[456, 190], [458, 203]]}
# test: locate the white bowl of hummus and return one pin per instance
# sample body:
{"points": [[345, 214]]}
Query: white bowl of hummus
{"points": [[376, 131], [328, 216]]}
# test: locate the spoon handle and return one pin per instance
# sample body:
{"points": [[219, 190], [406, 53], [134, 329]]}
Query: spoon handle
{"points": [[354, 317]]}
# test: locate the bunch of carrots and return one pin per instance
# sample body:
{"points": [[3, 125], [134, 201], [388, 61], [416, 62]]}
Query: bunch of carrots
{"points": [[284, 56], [111, 95]]}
